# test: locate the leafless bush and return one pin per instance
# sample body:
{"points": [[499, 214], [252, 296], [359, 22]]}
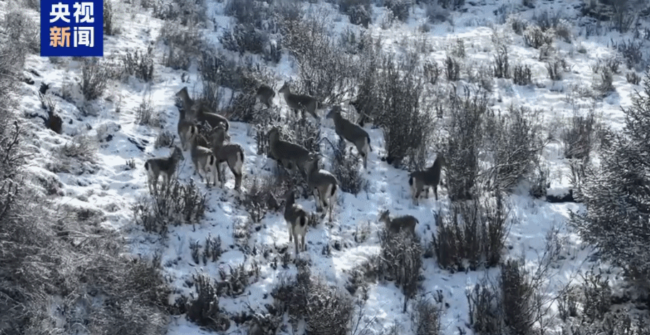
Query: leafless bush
{"points": [[139, 64], [426, 317], [325, 310], [547, 20], [188, 12], [212, 249], [631, 51], [474, 234], [400, 8], [555, 68], [633, 78], [183, 45], [597, 296], [623, 18], [563, 31], [22, 34], [82, 147], [345, 167], [501, 67], [465, 138], [176, 204], [165, 139], [604, 85], [452, 69], [401, 261], [235, 282], [263, 195], [93, 79], [578, 137], [485, 316], [145, 114], [204, 309], [514, 141], [436, 13], [326, 70], [613, 64], [518, 25], [244, 38], [109, 28], [216, 70], [522, 75], [249, 12], [535, 37], [432, 72], [452, 4], [359, 11], [407, 121]]}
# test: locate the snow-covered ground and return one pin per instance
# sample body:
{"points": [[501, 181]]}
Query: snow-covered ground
{"points": [[108, 185]]}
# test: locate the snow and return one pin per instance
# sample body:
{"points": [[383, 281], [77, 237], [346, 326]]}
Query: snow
{"points": [[112, 188]]}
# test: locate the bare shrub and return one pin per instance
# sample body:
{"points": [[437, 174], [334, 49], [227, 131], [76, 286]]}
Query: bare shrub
{"points": [[426, 317], [546, 20], [597, 295], [204, 308], [604, 85], [633, 78], [465, 138], [432, 72], [623, 17], [359, 11], [325, 70], [436, 13], [452, 4], [177, 204], [563, 31], [407, 121], [485, 316], [401, 261], [93, 79], [613, 64], [109, 28], [518, 25], [345, 168], [452, 69], [326, 311], [145, 114], [474, 233], [501, 67], [514, 141], [242, 38], [522, 75], [263, 194], [579, 136], [82, 148], [631, 51], [400, 8], [183, 45], [139, 64], [535, 37], [188, 12], [22, 34], [165, 139], [555, 68]]}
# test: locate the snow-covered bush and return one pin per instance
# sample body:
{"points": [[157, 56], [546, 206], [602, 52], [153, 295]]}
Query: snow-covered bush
{"points": [[579, 135], [400, 8], [501, 63], [93, 79], [204, 308], [616, 196], [535, 37], [346, 167], [436, 13], [514, 141], [426, 316], [139, 64], [264, 194], [164, 139], [472, 235], [326, 311], [359, 11], [242, 38], [522, 75], [452, 68], [188, 12], [401, 261], [176, 204], [183, 45], [22, 34], [464, 142], [604, 84], [452, 4]]}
